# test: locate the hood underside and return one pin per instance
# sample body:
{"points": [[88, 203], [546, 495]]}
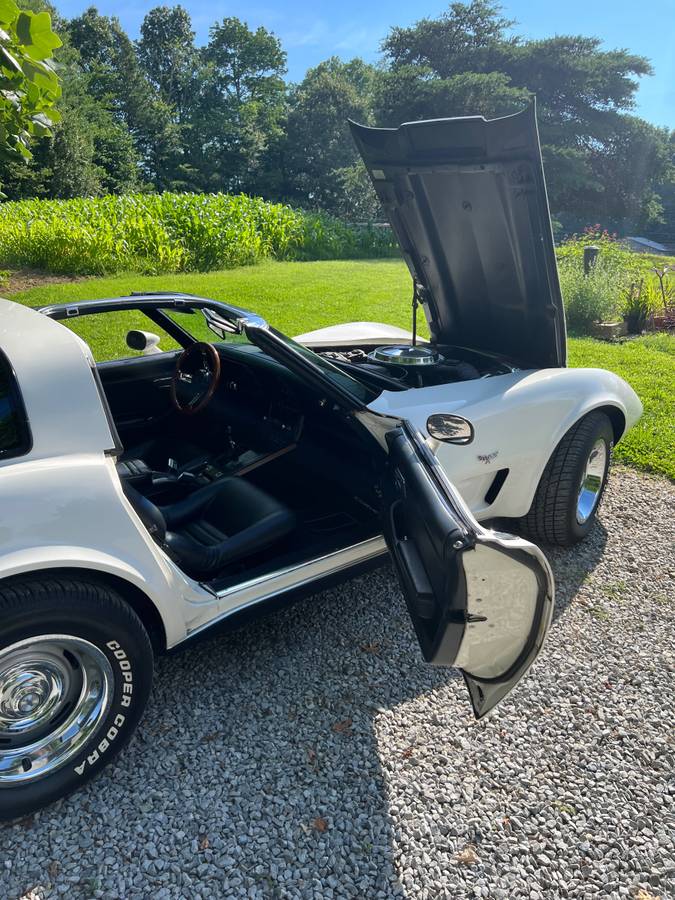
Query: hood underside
{"points": [[467, 201]]}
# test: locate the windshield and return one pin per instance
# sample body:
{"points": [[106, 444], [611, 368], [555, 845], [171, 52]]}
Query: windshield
{"points": [[329, 370], [203, 327]]}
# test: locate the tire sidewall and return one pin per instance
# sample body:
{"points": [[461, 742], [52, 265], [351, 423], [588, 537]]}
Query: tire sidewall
{"points": [[126, 648], [579, 530]]}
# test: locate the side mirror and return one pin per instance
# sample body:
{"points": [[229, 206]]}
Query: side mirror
{"points": [[145, 341]]}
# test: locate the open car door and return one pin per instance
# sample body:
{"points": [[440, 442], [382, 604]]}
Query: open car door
{"points": [[479, 600]]}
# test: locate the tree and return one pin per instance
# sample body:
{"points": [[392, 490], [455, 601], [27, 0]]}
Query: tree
{"points": [[634, 159], [318, 149], [29, 87], [463, 39], [240, 107], [468, 61], [409, 93], [116, 81], [167, 54], [90, 151], [664, 228]]}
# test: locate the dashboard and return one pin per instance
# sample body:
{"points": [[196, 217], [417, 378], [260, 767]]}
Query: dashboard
{"points": [[260, 399]]}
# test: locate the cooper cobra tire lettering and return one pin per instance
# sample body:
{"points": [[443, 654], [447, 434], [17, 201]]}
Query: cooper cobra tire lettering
{"points": [[84, 606], [124, 702]]}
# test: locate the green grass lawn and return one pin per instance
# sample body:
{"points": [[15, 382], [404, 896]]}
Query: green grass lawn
{"points": [[297, 297], [648, 365]]}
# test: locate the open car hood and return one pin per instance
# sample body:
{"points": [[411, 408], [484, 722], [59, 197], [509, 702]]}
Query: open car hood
{"points": [[467, 201]]}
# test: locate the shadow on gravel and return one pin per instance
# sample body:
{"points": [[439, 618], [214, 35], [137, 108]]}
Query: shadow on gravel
{"points": [[572, 566], [257, 770]]}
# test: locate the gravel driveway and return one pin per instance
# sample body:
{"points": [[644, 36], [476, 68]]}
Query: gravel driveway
{"points": [[315, 755]]}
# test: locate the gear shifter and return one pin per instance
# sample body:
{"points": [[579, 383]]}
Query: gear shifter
{"points": [[231, 443]]}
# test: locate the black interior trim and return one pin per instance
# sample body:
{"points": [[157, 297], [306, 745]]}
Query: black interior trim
{"points": [[117, 447], [183, 337]]}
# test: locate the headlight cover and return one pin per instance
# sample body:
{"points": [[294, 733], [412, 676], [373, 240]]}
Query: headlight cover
{"points": [[450, 429]]}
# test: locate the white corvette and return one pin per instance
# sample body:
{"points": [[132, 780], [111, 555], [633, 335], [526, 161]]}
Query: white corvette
{"points": [[145, 499]]}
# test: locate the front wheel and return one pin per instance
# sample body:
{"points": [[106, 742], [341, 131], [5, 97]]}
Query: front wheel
{"points": [[568, 495], [75, 674]]}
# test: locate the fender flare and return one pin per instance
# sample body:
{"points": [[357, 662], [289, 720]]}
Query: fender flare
{"points": [[164, 625], [617, 419], [612, 396]]}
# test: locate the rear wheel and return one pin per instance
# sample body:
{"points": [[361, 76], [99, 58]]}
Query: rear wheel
{"points": [[566, 502], [75, 674]]}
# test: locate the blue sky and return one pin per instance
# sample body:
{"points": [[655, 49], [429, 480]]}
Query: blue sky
{"points": [[312, 31]]}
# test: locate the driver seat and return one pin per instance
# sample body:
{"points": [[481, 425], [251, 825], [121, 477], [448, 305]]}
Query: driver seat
{"points": [[215, 526]]}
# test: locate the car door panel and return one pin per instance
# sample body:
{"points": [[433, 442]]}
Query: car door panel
{"points": [[479, 600], [138, 393], [422, 533], [509, 613]]}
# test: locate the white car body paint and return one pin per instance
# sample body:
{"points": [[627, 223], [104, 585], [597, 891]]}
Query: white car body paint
{"points": [[518, 419], [354, 333]]}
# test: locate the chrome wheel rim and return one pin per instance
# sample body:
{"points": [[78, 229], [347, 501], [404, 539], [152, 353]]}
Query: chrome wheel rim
{"points": [[55, 690], [592, 480]]}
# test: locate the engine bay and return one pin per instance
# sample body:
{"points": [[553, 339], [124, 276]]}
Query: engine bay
{"points": [[405, 366]]}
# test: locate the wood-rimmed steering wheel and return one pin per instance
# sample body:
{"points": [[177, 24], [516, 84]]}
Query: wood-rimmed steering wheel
{"points": [[196, 377]]}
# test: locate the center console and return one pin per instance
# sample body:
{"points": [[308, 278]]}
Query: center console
{"points": [[273, 433], [240, 464], [176, 483]]}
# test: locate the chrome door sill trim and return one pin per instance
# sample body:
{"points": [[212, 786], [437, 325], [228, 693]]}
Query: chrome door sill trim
{"points": [[248, 593]]}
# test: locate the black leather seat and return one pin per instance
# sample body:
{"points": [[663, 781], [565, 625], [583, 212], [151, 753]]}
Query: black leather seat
{"points": [[155, 454], [134, 471], [216, 525]]}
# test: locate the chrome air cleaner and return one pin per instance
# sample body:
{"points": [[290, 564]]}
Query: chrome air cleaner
{"points": [[405, 355]]}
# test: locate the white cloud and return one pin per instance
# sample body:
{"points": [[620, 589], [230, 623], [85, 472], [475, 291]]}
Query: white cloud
{"points": [[311, 35], [355, 39]]}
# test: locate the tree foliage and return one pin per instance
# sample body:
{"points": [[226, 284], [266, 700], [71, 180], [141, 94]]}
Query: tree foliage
{"points": [[164, 114], [168, 56], [29, 87], [465, 38], [601, 161], [318, 151], [238, 112]]}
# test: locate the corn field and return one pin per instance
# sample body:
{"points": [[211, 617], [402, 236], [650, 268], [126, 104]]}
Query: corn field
{"points": [[159, 233]]}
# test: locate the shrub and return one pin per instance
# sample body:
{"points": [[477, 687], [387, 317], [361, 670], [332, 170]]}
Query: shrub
{"points": [[637, 304], [620, 284], [591, 298], [157, 233]]}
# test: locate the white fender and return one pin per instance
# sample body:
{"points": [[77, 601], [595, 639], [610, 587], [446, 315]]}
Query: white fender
{"points": [[518, 420]]}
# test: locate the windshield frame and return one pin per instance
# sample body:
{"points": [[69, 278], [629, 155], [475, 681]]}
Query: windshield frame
{"points": [[343, 388]]}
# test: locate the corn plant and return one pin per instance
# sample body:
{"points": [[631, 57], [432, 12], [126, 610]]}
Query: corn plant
{"points": [[158, 233]]}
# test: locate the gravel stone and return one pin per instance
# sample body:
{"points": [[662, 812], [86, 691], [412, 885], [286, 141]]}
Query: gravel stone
{"points": [[238, 783]]}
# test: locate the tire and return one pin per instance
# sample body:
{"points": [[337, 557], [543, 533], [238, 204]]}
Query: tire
{"points": [[76, 670], [557, 515]]}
